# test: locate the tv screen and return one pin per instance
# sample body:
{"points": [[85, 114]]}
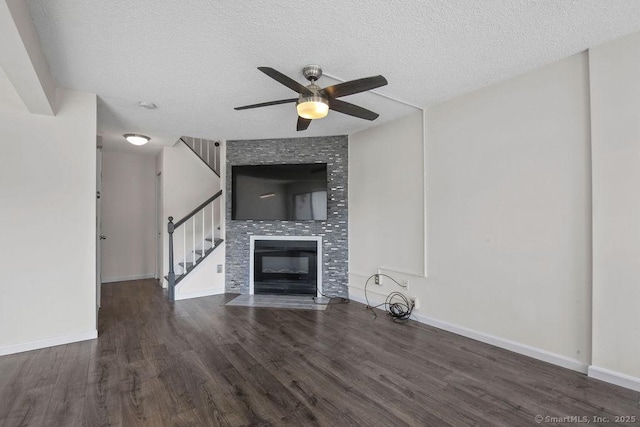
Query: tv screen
{"points": [[291, 192]]}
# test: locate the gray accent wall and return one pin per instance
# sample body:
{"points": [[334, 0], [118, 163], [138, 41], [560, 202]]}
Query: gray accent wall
{"points": [[333, 151]]}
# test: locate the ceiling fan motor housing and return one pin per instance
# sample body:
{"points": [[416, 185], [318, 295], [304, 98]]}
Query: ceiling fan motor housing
{"points": [[315, 97], [312, 72]]}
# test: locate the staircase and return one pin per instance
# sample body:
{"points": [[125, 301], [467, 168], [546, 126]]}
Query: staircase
{"points": [[208, 151], [197, 235]]}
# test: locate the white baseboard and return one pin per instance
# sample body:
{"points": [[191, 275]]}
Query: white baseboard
{"points": [[198, 294], [126, 278], [516, 347], [48, 342], [613, 377]]}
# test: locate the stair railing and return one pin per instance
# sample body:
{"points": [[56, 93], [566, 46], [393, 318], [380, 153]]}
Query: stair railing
{"points": [[197, 235], [206, 149]]}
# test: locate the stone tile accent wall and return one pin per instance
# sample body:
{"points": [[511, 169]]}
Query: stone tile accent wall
{"points": [[331, 150]]}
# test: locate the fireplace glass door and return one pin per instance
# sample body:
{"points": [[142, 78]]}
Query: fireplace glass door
{"points": [[285, 267]]}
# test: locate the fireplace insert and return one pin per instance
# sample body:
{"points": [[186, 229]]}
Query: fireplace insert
{"points": [[285, 267]]}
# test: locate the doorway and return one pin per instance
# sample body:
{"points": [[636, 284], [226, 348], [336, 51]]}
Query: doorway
{"points": [[159, 228], [99, 236]]}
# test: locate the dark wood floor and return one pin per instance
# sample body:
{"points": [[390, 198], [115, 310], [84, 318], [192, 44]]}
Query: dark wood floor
{"points": [[202, 363]]}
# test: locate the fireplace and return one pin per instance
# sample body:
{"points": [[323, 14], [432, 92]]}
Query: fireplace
{"points": [[285, 265]]}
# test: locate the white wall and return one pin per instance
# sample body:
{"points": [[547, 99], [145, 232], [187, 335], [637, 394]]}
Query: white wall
{"points": [[509, 220], [508, 213], [186, 183], [386, 203], [48, 216], [128, 216], [615, 104]]}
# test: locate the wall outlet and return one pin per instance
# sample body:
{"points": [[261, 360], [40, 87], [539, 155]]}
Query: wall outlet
{"points": [[413, 301], [219, 269], [405, 284], [377, 279]]}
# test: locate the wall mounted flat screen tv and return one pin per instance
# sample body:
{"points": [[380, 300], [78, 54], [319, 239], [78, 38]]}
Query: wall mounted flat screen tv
{"points": [[290, 192]]}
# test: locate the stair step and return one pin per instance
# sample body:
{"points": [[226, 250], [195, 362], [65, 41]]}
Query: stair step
{"points": [[218, 241], [191, 265], [178, 277]]}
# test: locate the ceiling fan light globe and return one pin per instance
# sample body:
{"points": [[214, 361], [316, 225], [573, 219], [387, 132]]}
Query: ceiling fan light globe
{"points": [[312, 107]]}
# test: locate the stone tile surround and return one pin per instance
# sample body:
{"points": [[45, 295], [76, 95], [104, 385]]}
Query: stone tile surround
{"points": [[333, 151]]}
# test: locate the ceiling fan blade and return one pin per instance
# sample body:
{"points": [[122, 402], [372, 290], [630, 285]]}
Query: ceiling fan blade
{"points": [[354, 86], [352, 109], [303, 124], [266, 104], [287, 81]]}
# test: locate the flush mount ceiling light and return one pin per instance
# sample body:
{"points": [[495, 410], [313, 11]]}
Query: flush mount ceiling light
{"points": [[267, 195], [148, 105], [136, 139]]}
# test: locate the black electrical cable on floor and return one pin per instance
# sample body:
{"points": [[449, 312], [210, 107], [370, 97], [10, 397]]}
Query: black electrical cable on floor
{"points": [[396, 304], [318, 291], [341, 300]]}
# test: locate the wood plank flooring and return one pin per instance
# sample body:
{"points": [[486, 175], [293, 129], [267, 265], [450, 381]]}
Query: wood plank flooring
{"points": [[202, 363]]}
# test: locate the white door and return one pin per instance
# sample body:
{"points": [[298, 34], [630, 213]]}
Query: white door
{"points": [[99, 236], [159, 225]]}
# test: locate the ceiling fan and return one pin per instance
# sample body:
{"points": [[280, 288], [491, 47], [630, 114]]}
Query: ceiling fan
{"points": [[314, 102]]}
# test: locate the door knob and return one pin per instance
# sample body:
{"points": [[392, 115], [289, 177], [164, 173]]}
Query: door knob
{"points": [[103, 237]]}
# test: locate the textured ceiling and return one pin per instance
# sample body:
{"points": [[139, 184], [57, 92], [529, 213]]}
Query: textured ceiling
{"points": [[197, 59]]}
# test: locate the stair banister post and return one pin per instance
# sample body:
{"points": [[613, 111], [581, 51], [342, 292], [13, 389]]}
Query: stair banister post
{"points": [[216, 157], [172, 273]]}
